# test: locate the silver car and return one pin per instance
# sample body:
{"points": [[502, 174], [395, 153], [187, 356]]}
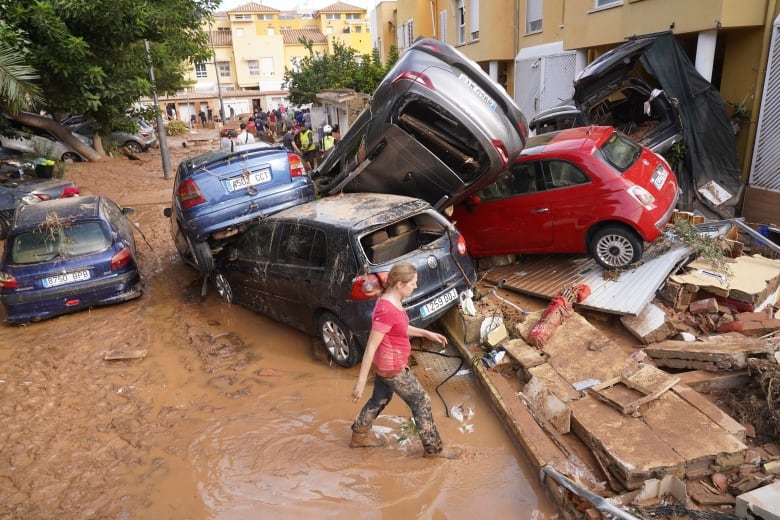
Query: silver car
{"points": [[437, 128]]}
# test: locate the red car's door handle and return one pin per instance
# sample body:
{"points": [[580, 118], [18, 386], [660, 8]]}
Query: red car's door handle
{"points": [[539, 210]]}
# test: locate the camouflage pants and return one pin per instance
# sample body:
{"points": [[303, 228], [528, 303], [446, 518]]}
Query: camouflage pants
{"points": [[413, 394]]}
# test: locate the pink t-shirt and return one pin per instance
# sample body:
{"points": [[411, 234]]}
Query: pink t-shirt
{"points": [[393, 352]]}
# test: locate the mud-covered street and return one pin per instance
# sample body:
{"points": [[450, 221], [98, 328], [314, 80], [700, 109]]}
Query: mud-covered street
{"points": [[228, 414]]}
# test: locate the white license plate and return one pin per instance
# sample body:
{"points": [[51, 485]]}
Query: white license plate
{"points": [[659, 177], [66, 278], [249, 179], [438, 303], [478, 91]]}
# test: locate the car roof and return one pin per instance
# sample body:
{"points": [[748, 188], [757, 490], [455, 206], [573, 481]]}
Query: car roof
{"points": [[71, 208], [354, 210], [570, 139]]}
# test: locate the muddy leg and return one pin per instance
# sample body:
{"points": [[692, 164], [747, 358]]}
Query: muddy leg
{"points": [[409, 389]]}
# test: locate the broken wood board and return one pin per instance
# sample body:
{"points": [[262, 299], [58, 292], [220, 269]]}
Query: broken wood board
{"points": [[671, 437], [549, 393], [706, 407], [751, 279], [578, 350], [628, 392], [705, 381], [728, 351]]}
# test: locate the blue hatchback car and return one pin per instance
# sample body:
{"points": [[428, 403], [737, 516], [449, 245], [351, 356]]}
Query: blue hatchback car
{"points": [[65, 255], [217, 194]]}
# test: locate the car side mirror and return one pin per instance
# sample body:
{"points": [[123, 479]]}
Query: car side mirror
{"points": [[127, 211], [167, 212]]}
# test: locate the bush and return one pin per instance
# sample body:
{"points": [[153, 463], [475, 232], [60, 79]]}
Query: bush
{"points": [[176, 127]]}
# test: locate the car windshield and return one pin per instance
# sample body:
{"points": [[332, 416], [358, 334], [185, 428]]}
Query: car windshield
{"points": [[620, 152], [61, 240]]}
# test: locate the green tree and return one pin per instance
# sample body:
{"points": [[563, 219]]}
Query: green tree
{"points": [[17, 88], [333, 70], [90, 56]]}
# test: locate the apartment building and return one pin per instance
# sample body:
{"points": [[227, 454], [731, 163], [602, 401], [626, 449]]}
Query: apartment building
{"points": [[253, 44], [535, 48]]}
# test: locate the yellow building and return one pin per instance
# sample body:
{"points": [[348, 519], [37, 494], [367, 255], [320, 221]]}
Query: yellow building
{"points": [[535, 48]]}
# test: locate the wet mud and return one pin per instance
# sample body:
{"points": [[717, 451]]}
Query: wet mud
{"points": [[228, 415]]}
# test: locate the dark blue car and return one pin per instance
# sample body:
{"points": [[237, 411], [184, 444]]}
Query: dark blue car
{"points": [[216, 195], [65, 255]]}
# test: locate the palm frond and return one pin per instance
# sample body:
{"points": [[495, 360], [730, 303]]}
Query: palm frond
{"points": [[18, 90]]}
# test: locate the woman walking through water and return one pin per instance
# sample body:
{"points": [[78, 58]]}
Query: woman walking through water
{"points": [[388, 351]]}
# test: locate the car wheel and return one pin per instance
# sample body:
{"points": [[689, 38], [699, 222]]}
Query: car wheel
{"points": [[134, 147], [614, 247], [201, 253], [223, 287], [71, 156], [339, 341]]}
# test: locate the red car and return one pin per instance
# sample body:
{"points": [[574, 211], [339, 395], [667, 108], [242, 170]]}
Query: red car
{"points": [[581, 190]]}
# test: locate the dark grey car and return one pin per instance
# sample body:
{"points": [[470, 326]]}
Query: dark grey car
{"points": [[320, 266], [437, 128]]}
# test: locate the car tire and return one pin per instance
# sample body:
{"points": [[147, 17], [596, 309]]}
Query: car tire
{"points": [[71, 156], [223, 288], [615, 247], [201, 254], [133, 147], [339, 341]]}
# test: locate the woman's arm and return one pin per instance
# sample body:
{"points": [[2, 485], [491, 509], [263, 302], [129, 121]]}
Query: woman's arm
{"points": [[374, 339], [422, 333]]}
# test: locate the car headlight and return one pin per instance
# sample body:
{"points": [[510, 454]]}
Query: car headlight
{"points": [[30, 199], [642, 196]]}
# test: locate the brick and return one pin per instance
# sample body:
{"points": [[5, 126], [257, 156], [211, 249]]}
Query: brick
{"points": [[701, 306], [751, 316], [753, 328], [732, 326]]}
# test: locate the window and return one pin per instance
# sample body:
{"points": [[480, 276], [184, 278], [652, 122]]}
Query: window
{"points": [[44, 245], [333, 16], [200, 70], [242, 17], [329, 30], [461, 14], [353, 16], [474, 20], [224, 69], [605, 3], [254, 67], [357, 28], [520, 179], [443, 26], [533, 16], [255, 244], [405, 34], [302, 245], [267, 66], [265, 17], [270, 31], [223, 29], [563, 174]]}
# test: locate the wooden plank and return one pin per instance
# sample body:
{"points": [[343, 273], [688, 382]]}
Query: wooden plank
{"points": [[705, 381], [647, 384], [706, 407], [722, 352]]}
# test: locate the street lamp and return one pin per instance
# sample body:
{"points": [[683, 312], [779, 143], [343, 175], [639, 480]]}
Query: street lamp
{"points": [[216, 70]]}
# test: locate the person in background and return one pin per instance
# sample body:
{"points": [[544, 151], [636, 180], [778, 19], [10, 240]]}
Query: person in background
{"points": [[244, 137], [289, 141], [327, 140], [251, 126], [387, 352], [227, 142], [308, 147], [336, 134]]}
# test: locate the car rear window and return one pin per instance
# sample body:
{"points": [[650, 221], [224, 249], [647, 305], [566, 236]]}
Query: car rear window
{"points": [[620, 152], [386, 244], [46, 242]]}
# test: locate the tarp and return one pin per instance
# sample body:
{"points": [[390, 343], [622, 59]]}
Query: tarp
{"points": [[709, 137]]}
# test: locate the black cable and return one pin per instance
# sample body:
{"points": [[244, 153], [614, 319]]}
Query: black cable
{"points": [[460, 365]]}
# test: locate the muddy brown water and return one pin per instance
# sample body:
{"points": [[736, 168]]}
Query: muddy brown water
{"points": [[229, 416]]}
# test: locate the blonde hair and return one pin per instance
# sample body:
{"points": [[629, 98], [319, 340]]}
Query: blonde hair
{"points": [[402, 272]]}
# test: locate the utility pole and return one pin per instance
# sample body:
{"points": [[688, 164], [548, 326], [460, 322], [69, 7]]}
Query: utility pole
{"points": [[166, 159], [216, 69]]}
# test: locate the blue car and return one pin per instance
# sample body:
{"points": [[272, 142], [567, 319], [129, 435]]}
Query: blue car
{"points": [[217, 194], [65, 255]]}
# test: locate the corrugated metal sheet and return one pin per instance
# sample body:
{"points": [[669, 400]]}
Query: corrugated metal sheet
{"points": [[628, 293]]}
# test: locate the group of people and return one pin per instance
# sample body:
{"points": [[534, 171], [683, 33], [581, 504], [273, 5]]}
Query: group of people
{"points": [[300, 139]]}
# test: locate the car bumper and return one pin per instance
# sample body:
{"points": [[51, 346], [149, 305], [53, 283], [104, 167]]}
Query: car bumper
{"points": [[42, 304]]}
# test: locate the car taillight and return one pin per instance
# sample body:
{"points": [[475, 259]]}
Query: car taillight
{"points": [[642, 196], [70, 191], [523, 130], [461, 245], [296, 165], [120, 259], [501, 149], [43, 196], [144, 134], [189, 194], [7, 281], [368, 286], [417, 77]]}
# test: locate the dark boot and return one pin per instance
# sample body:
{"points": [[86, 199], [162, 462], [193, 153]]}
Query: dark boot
{"points": [[448, 452], [366, 439]]}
